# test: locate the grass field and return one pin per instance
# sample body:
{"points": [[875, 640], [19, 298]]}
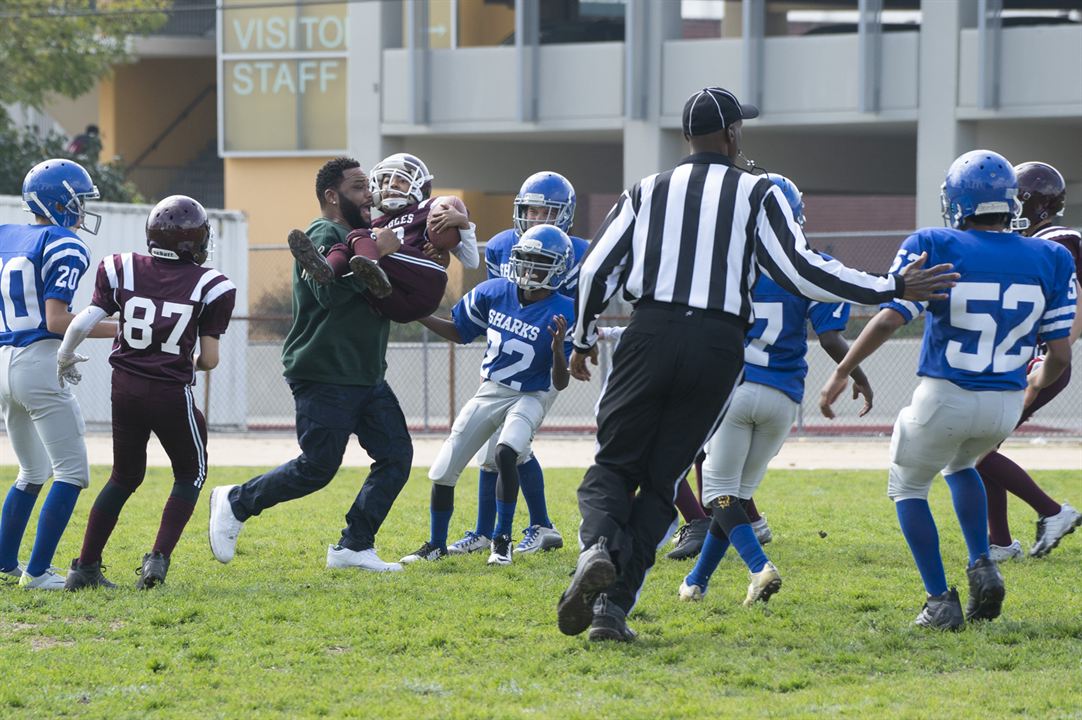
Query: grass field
{"points": [[274, 634]]}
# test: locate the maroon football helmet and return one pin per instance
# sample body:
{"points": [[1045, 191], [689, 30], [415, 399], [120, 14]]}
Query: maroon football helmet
{"points": [[178, 229], [1042, 191]]}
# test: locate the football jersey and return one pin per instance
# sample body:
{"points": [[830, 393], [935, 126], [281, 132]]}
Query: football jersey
{"points": [[498, 259], [37, 263], [1013, 291], [1068, 238], [776, 345], [164, 307], [519, 353], [410, 223]]}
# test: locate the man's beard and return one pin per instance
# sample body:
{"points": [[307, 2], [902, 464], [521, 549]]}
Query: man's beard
{"points": [[354, 215]]}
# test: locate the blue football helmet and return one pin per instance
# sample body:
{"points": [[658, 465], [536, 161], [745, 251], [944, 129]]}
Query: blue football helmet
{"points": [[548, 190], [792, 194], [541, 258], [57, 190], [981, 182]]}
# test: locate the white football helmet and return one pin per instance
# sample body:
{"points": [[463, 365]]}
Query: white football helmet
{"points": [[406, 171]]}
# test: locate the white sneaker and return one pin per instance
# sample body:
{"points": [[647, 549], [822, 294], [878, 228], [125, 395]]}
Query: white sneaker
{"points": [[691, 593], [471, 542], [224, 526], [763, 584], [340, 557], [1052, 529], [48, 580], [1003, 553], [762, 531], [539, 538], [501, 550]]}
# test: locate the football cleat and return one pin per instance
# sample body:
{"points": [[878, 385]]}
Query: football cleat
{"points": [[86, 576], [372, 275], [986, 590], [942, 612], [1052, 529], [609, 622], [11, 576], [224, 525], [1003, 553], [48, 580], [763, 585], [339, 557], [501, 550], [471, 542], [593, 573], [690, 539], [762, 531], [428, 551], [691, 593], [310, 258], [152, 571], [539, 538]]}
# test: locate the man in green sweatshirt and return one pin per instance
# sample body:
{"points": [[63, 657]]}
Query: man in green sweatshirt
{"points": [[334, 357]]}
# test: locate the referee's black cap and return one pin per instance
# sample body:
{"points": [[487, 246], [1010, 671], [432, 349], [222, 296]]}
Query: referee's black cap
{"points": [[712, 109]]}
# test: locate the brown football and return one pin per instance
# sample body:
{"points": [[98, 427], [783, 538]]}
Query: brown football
{"points": [[448, 238]]}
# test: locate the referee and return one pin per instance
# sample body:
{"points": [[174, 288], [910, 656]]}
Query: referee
{"points": [[686, 246]]}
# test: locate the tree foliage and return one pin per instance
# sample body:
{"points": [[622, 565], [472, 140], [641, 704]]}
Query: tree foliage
{"points": [[66, 46]]}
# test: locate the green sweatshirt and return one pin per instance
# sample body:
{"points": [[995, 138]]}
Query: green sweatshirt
{"points": [[336, 338]]}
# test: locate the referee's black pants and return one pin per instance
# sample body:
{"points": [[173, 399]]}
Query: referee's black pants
{"points": [[672, 374]]}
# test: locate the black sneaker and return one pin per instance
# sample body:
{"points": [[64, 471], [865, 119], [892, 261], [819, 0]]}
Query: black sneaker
{"points": [[428, 551], [372, 275], [594, 573], [152, 571], [310, 258], [986, 590], [86, 576], [610, 622], [501, 550], [690, 539], [942, 612]]}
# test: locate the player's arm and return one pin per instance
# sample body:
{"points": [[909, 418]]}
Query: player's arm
{"points": [[837, 347], [207, 359], [78, 328], [875, 333], [58, 319], [561, 375], [446, 329], [1076, 326]]}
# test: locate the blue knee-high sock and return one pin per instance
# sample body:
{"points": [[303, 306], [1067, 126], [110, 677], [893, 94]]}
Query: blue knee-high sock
{"points": [[713, 551], [971, 507], [438, 522], [751, 552], [532, 481], [486, 503], [13, 519], [918, 527], [55, 513], [505, 512]]}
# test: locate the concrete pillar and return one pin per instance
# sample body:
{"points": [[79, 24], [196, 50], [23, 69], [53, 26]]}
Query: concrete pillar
{"points": [[940, 137], [363, 106]]}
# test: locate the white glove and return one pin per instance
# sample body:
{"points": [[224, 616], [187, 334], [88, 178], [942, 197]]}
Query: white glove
{"points": [[65, 367]]}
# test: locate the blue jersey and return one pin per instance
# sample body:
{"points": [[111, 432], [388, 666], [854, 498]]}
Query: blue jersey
{"points": [[37, 263], [778, 341], [1013, 291], [519, 353], [498, 260]]}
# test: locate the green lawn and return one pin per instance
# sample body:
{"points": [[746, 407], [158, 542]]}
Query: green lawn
{"points": [[274, 634]]}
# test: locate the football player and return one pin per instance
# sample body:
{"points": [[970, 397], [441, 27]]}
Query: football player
{"points": [[1044, 194], [761, 413], [525, 365], [544, 198], [406, 276], [41, 265], [1012, 292], [166, 301]]}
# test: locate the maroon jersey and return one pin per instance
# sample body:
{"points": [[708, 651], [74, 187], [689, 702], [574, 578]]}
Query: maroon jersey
{"points": [[164, 306], [410, 224], [1069, 239]]}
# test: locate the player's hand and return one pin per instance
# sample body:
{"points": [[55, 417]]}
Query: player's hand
{"points": [[1033, 371], [579, 369], [66, 370], [862, 387], [927, 284], [558, 330], [833, 389], [445, 217], [387, 241], [443, 257]]}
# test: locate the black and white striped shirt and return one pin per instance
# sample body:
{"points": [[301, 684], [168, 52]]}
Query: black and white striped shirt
{"points": [[698, 235]]}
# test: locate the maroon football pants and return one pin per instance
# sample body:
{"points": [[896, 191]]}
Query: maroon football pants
{"points": [[417, 285]]}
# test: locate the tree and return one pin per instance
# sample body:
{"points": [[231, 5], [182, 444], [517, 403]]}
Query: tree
{"points": [[66, 46]]}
